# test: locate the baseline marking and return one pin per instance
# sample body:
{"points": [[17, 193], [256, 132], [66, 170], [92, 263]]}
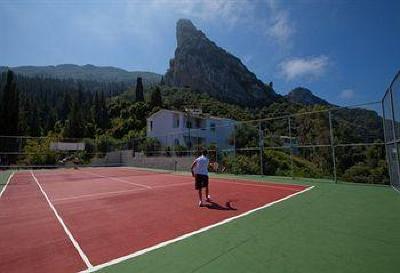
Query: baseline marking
{"points": [[219, 180], [118, 179], [66, 230], [5, 186], [182, 237]]}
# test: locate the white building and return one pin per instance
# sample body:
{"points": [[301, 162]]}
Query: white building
{"points": [[190, 128]]}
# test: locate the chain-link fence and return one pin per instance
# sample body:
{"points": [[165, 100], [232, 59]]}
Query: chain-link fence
{"points": [[337, 143], [391, 112], [54, 151]]}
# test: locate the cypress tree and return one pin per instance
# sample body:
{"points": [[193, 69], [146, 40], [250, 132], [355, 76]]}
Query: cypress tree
{"points": [[75, 128], [139, 90], [35, 129], [155, 99], [9, 113]]}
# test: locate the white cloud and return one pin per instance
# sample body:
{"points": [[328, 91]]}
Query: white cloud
{"points": [[226, 11], [311, 67], [279, 27], [347, 94]]}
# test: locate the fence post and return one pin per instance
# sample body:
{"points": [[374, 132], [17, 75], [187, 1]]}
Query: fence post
{"points": [[394, 135], [261, 147], [332, 146], [290, 149], [385, 140], [216, 153], [234, 140]]}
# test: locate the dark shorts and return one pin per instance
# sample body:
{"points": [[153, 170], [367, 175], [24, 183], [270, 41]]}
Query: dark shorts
{"points": [[201, 181]]}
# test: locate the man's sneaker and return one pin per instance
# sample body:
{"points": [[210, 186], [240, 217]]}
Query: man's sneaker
{"points": [[200, 203], [208, 198]]}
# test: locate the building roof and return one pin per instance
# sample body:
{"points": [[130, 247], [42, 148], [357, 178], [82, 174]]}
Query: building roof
{"points": [[203, 115]]}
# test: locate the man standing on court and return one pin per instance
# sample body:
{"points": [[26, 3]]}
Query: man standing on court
{"points": [[200, 173]]}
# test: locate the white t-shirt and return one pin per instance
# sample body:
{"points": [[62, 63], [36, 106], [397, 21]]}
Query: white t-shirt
{"points": [[201, 165]]}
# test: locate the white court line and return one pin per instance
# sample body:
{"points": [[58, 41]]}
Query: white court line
{"points": [[182, 237], [5, 186], [116, 192], [118, 179], [66, 230]]}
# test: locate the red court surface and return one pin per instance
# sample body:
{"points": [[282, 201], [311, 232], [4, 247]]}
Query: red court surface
{"points": [[110, 213]]}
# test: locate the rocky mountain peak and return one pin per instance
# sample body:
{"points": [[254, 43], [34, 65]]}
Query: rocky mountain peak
{"points": [[304, 96], [201, 65], [187, 32]]}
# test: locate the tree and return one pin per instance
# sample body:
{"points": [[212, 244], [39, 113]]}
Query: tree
{"points": [[139, 89], [155, 99], [74, 126], [9, 112]]}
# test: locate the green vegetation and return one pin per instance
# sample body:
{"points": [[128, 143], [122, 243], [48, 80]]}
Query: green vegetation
{"points": [[38, 152], [332, 228]]}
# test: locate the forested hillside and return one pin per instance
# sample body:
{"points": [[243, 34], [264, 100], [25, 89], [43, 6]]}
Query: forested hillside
{"points": [[86, 73]]}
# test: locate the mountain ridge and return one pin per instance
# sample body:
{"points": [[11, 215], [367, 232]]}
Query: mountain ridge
{"points": [[86, 72]]}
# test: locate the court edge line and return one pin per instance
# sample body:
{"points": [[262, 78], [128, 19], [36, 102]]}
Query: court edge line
{"points": [[66, 230], [182, 237], [5, 186]]}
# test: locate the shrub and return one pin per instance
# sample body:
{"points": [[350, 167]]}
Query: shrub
{"points": [[150, 145], [38, 152], [242, 164]]}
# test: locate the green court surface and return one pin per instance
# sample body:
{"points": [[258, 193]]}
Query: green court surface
{"points": [[3, 178], [332, 228]]}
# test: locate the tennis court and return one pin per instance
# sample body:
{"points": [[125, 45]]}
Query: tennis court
{"points": [[69, 220]]}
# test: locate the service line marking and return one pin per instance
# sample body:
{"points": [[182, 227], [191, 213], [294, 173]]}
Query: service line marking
{"points": [[117, 179], [182, 237], [116, 192], [66, 230], [5, 186]]}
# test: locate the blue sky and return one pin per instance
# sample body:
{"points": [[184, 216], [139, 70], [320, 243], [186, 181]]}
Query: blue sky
{"points": [[346, 52]]}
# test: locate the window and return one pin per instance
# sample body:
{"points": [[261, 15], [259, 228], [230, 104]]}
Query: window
{"points": [[176, 141], [151, 125], [198, 123], [212, 127], [175, 122], [188, 124]]}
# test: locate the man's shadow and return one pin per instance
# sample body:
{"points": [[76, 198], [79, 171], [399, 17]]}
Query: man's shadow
{"points": [[215, 205]]}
